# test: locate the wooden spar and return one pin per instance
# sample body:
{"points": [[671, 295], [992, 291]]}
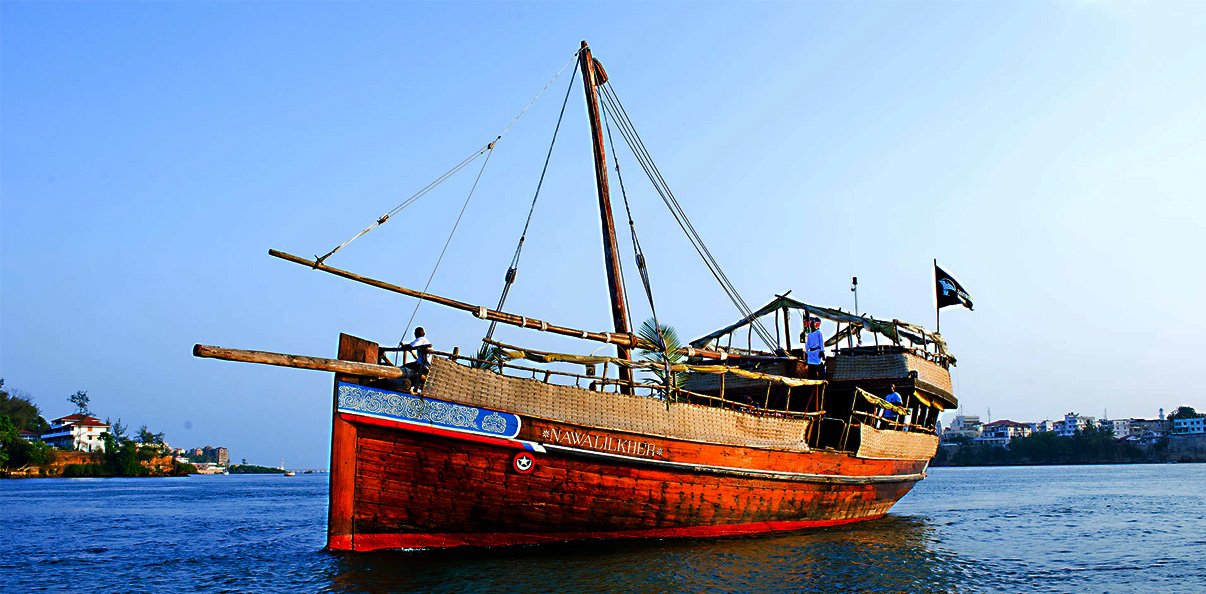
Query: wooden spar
{"points": [[298, 362], [592, 75], [626, 339]]}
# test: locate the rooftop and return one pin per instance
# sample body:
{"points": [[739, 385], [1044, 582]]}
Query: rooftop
{"points": [[1005, 423]]}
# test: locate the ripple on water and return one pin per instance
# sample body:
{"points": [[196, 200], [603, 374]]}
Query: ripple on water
{"points": [[961, 530]]}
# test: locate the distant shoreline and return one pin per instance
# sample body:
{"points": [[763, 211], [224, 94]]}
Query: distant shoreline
{"points": [[1031, 464]]}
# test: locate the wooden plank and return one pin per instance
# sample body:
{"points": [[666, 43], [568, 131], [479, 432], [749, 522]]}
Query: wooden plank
{"points": [[340, 528]]}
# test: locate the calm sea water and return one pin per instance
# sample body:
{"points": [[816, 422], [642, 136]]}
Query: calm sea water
{"points": [[1066, 529]]}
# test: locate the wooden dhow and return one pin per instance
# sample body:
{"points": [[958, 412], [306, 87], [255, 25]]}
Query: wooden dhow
{"points": [[515, 446]]}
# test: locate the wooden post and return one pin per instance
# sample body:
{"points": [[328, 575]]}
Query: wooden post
{"points": [[787, 327], [592, 76], [340, 527]]}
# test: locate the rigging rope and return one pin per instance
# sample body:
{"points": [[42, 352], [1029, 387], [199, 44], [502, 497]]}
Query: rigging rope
{"points": [[509, 279], [646, 160], [632, 138], [446, 243], [640, 261], [412, 199], [455, 169]]}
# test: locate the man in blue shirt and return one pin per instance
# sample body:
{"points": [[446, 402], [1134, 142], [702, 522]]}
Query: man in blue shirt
{"points": [[814, 348], [894, 398]]}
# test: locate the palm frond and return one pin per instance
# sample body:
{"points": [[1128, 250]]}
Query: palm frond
{"points": [[668, 338], [487, 357]]}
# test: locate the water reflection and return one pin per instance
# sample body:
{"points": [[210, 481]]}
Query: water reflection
{"points": [[893, 554]]}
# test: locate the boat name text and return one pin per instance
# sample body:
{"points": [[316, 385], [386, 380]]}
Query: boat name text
{"points": [[605, 443]]}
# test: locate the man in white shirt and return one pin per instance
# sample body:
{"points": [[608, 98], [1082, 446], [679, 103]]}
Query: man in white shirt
{"points": [[814, 348], [422, 347]]}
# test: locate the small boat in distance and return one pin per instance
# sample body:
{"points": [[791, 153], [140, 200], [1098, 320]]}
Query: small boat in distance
{"points": [[722, 437]]}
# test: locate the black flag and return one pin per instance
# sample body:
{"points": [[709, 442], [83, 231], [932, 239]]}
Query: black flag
{"points": [[948, 291]]}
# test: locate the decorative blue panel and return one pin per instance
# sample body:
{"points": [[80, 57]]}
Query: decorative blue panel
{"points": [[411, 408]]}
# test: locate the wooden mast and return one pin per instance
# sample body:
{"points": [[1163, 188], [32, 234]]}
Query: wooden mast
{"points": [[592, 75]]}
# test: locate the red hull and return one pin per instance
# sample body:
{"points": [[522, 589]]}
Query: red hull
{"points": [[375, 542], [407, 485]]}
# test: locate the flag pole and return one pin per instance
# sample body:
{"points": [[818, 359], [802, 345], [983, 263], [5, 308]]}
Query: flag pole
{"points": [[937, 308]]}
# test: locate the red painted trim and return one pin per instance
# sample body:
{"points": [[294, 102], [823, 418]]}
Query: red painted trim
{"points": [[376, 542], [430, 430]]}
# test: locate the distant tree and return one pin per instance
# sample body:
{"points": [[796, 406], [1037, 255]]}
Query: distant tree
{"points": [[21, 410], [1184, 412], [15, 452], [80, 399], [127, 462], [145, 436], [8, 438], [254, 469], [118, 429], [39, 453]]}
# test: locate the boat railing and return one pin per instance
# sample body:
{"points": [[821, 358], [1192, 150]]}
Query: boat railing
{"points": [[603, 384], [879, 421]]}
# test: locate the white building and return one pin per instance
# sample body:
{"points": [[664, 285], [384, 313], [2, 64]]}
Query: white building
{"points": [[77, 432], [1044, 426], [963, 425], [1120, 427], [1071, 424], [1152, 428], [1192, 426], [1000, 433]]}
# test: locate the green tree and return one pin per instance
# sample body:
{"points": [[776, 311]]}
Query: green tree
{"points": [[16, 452], [666, 338], [145, 436], [1184, 412], [119, 429], [8, 439], [80, 399], [21, 410]]}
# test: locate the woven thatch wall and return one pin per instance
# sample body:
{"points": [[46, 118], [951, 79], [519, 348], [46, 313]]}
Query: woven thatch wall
{"points": [[895, 445], [633, 414]]}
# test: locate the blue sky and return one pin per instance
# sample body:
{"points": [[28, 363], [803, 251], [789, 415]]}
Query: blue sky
{"points": [[1049, 153]]}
